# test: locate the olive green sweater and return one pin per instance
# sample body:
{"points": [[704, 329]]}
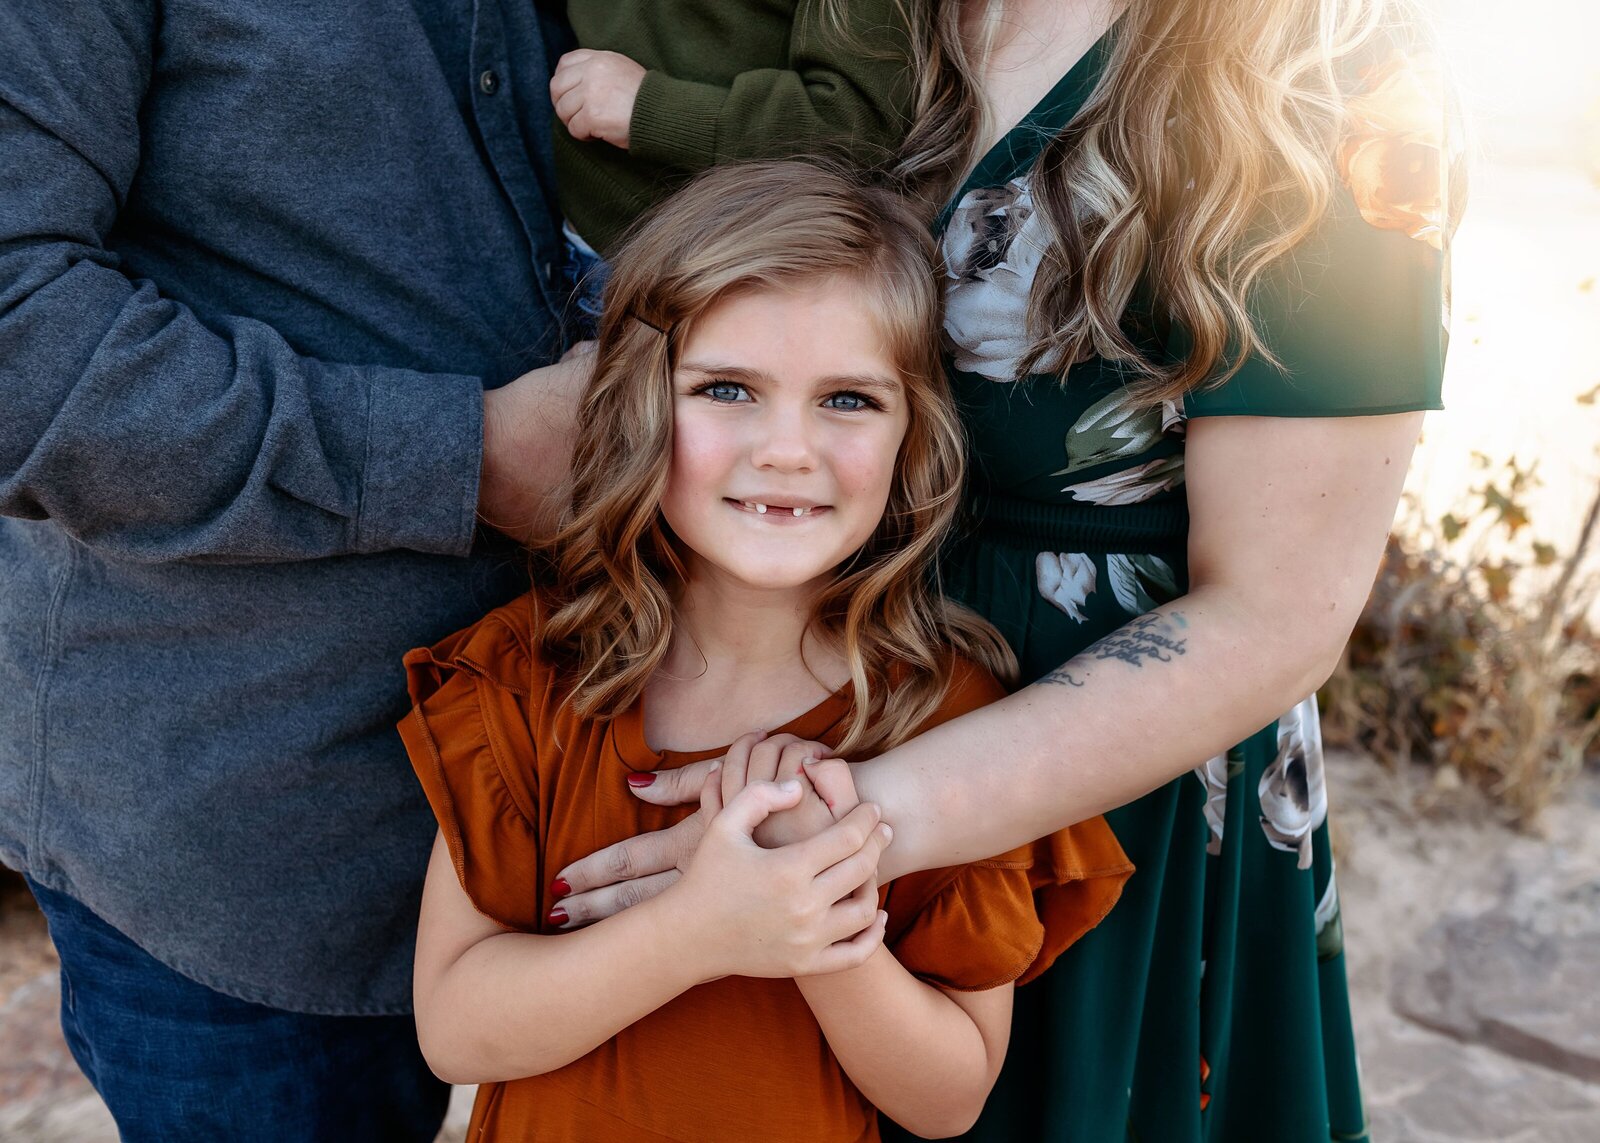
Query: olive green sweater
{"points": [[728, 81]]}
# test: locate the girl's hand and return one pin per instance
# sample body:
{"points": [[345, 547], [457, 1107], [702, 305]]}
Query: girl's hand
{"points": [[631, 871], [594, 94], [827, 790], [803, 910]]}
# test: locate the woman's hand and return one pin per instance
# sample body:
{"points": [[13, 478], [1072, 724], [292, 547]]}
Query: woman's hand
{"points": [[806, 909]]}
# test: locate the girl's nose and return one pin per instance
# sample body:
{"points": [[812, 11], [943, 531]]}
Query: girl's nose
{"points": [[785, 441]]}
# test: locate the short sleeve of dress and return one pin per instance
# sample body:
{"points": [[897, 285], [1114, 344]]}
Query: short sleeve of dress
{"points": [[1007, 918], [1357, 314], [470, 744]]}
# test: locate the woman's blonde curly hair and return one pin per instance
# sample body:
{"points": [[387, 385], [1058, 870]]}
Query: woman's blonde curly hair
{"points": [[1205, 154]]}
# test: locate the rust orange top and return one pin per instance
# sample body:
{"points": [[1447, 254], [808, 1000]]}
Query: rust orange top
{"points": [[740, 1058]]}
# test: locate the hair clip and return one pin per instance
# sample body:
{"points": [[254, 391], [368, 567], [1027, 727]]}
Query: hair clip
{"points": [[647, 322]]}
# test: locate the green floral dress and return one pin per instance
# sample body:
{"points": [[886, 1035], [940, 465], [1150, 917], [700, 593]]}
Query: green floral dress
{"points": [[1211, 1004]]}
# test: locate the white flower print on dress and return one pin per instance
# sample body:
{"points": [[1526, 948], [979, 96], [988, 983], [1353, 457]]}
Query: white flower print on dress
{"points": [[1131, 485], [992, 249], [1066, 580], [1293, 790], [1329, 923], [1141, 583], [1113, 428], [1213, 775]]}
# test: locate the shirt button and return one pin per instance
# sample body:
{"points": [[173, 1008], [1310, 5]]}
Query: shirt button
{"points": [[489, 82]]}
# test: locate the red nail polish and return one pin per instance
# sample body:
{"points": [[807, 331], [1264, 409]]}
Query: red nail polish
{"points": [[559, 888], [558, 916], [640, 781]]}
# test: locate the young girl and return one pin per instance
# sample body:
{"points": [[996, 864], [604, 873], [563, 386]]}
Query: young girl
{"points": [[767, 465]]}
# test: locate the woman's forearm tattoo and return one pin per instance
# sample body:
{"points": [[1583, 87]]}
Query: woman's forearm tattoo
{"points": [[1150, 638]]}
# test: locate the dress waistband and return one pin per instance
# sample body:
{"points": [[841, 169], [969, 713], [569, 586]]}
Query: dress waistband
{"points": [[1073, 526]]}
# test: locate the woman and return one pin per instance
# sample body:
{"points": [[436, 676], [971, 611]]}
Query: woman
{"points": [[1195, 312]]}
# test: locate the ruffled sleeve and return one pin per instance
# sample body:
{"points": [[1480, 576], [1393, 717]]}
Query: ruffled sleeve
{"points": [[472, 747], [1005, 919], [1358, 314]]}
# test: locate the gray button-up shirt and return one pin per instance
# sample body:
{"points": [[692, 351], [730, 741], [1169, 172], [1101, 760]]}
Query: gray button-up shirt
{"points": [[257, 263]]}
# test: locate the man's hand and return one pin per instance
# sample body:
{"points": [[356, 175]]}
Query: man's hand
{"points": [[528, 430], [594, 94]]}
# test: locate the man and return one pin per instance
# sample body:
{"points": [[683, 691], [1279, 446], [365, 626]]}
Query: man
{"points": [[258, 265]]}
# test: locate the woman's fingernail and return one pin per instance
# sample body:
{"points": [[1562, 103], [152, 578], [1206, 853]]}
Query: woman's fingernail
{"points": [[888, 834], [715, 766], [788, 785], [559, 888], [640, 781], [558, 916]]}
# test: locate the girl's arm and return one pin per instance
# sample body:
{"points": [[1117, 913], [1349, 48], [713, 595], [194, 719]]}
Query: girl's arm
{"points": [[498, 1005], [924, 1057], [1288, 519]]}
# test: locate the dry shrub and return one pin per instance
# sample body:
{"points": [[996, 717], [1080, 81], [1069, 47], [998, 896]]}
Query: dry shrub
{"points": [[1476, 653]]}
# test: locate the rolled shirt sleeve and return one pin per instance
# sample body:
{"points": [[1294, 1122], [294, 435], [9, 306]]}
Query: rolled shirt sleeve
{"points": [[144, 430]]}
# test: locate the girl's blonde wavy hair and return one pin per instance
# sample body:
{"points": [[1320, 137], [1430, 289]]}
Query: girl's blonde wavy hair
{"points": [[609, 577], [1203, 156]]}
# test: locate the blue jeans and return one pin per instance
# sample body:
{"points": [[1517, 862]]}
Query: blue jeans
{"points": [[176, 1061], [586, 274]]}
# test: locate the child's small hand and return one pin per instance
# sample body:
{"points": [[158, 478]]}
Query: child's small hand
{"points": [[769, 912], [827, 792], [594, 94]]}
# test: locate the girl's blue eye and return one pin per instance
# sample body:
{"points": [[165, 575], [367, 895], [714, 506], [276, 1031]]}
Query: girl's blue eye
{"points": [[849, 402], [726, 392]]}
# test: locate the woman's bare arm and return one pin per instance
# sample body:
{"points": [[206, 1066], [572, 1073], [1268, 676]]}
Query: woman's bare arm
{"points": [[1288, 519]]}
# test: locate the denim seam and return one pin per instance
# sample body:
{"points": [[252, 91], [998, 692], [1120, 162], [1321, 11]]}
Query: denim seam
{"points": [[34, 856]]}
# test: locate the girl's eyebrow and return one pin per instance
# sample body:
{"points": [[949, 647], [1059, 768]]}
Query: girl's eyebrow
{"points": [[868, 381]]}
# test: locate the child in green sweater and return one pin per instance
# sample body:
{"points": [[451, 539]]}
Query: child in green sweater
{"points": [[660, 90]]}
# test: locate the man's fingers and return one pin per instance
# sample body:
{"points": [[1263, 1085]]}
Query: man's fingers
{"points": [[679, 787], [640, 856], [832, 779], [597, 904], [843, 878], [838, 841]]}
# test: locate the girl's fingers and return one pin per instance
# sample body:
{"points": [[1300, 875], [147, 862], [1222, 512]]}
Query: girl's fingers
{"points": [[641, 856], [845, 877], [710, 798], [735, 772], [586, 908], [751, 805], [832, 779], [792, 760], [853, 953], [679, 787], [837, 842]]}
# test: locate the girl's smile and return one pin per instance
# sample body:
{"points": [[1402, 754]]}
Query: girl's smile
{"points": [[788, 416]]}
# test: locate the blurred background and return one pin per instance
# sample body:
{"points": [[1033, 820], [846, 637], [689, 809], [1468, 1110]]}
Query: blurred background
{"points": [[1464, 768]]}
